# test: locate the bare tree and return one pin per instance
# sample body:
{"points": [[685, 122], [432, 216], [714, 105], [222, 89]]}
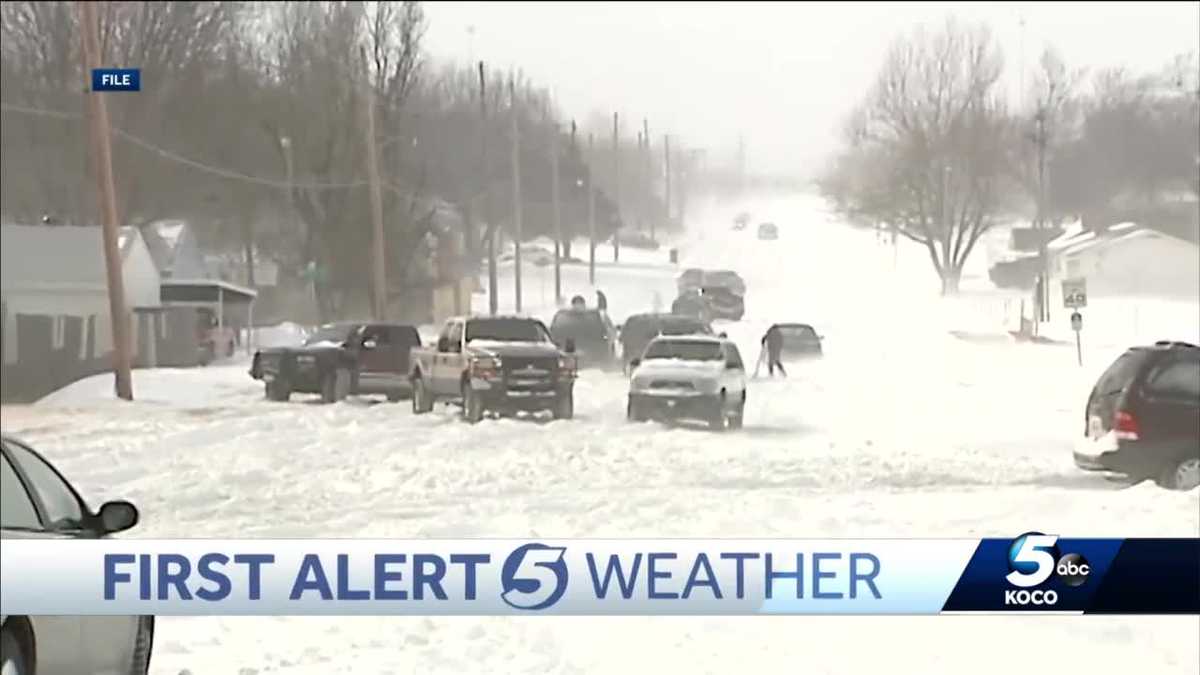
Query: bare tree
{"points": [[927, 148]]}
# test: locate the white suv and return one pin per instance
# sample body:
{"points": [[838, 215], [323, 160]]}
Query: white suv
{"points": [[689, 377]]}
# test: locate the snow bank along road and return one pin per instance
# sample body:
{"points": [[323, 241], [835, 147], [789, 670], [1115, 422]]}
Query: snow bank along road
{"points": [[900, 431]]}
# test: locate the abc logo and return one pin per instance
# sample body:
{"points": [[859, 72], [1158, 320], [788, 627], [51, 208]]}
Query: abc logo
{"points": [[1073, 569]]}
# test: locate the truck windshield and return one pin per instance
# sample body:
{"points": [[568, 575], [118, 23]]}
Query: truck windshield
{"points": [[331, 333], [686, 350], [506, 330]]}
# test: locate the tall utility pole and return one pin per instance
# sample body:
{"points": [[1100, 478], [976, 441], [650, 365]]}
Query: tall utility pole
{"points": [[591, 187], [102, 152], [516, 185], [741, 166], [667, 173], [648, 178], [1040, 139], [617, 187], [379, 275], [557, 214], [639, 210], [486, 189]]}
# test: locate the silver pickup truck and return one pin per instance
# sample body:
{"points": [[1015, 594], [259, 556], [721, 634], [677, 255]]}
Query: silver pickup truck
{"points": [[500, 364]]}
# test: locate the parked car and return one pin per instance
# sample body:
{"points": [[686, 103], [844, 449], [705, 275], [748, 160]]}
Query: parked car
{"points": [[799, 340], [1142, 418], [723, 303], [692, 304], [741, 221], [593, 333], [213, 340], [501, 364], [37, 502], [689, 377], [727, 279], [639, 329], [338, 360], [768, 231]]}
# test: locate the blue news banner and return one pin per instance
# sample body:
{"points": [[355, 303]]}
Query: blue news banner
{"points": [[1033, 572]]}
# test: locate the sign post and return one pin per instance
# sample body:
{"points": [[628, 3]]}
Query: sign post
{"points": [[1075, 298]]}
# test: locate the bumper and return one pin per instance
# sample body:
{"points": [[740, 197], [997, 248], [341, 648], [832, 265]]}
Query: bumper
{"points": [[670, 406], [1133, 459], [497, 397]]}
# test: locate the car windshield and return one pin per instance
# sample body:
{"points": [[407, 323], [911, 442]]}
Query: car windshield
{"points": [[330, 333], [798, 332], [506, 330], [686, 350]]}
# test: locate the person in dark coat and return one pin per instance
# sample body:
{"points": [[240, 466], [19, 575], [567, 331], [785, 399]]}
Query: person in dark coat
{"points": [[772, 341]]}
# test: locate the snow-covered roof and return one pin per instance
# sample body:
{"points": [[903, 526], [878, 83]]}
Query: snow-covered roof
{"points": [[1116, 234], [43, 255]]}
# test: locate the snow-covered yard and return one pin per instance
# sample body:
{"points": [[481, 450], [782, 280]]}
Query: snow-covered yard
{"points": [[902, 430]]}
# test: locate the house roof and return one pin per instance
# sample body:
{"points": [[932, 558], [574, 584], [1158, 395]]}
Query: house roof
{"points": [[52, 256], [1116, 234], [162, 238]]}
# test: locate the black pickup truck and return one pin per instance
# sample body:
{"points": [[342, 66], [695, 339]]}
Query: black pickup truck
{"points": [[338, 360], [501, 364]]}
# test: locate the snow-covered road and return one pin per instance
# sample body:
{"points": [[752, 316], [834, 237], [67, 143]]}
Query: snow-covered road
{"points": [[902, 430]]}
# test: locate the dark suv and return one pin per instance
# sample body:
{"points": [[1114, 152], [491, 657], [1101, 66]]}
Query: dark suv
{"points": [[1142, 418], [639, 329], [593, 333]]}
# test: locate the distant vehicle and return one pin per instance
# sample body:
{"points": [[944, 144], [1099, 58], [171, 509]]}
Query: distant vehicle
{"points": [[727, 279], [37, 502], [692, 304], [636, 239], [338, 360], [741, 221], [501, 364], [723, 303], [691, 280], [1142, 418], [689, 377], [593, 333], [530, 253], [768, 231], [799, 340], [639, 329], [213, 340]]}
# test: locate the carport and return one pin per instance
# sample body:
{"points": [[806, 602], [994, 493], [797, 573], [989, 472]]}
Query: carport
{"points": [[214, 294]]}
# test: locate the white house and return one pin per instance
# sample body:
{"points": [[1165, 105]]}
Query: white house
{"points": [[175, 250], [58, 271], [1126, 259]]}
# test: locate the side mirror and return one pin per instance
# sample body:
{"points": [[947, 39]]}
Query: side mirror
{"points": [[116, 516], [569, 345], [369, 343], [635, 362], [443, 344]]}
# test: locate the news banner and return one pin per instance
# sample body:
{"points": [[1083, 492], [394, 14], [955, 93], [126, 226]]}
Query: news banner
{"points": [[1033, 572]]}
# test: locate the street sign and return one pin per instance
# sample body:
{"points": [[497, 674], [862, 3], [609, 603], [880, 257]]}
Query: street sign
{"points": [[1074, 293]]}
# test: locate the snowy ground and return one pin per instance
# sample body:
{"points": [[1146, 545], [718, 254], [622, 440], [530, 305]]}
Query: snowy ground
{"points": [[903, 430]]}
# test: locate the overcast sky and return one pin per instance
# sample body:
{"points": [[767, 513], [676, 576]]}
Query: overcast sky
{"points": [[781, 74]]}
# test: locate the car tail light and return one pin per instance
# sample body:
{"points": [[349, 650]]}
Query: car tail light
{"points": [[1125, 426]]}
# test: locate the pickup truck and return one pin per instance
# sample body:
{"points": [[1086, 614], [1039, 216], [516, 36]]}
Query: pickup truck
{"points": [[338, 360], [501, 364]]}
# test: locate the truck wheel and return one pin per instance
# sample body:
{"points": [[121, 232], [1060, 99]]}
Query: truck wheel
{"points": [[472, 405], [12, 655], [143, 645], [1181, 475], [739, 416], [422, 402], [564, 405], [279, 390]]}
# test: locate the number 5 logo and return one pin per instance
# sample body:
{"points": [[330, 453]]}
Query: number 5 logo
{"points": [[534, 576], [1030, 559]]}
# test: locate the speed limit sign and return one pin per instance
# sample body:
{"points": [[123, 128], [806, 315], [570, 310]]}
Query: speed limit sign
{"points": [[1074, 293]]}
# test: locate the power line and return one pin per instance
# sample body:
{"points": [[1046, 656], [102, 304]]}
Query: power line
{"points": [[195, 164]]}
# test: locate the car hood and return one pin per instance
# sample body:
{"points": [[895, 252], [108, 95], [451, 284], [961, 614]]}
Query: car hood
{"points": [[679, 368], [502, 349]]}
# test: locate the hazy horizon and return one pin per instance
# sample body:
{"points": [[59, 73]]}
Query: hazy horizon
{"points": [[781, 75]]}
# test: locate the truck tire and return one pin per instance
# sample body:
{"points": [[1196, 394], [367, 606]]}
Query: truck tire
{"points": [[279, 389], [422, 399], [634, 412], [143, 646], [739, 415], [472, 405], [12, 654], [564, 405]]}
